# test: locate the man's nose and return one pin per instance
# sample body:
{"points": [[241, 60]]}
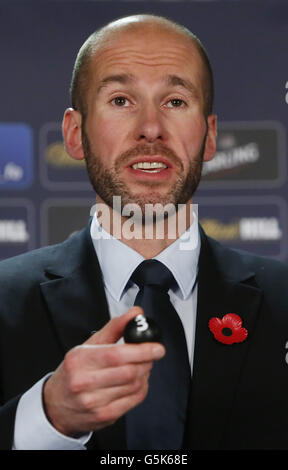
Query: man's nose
{"points": [[150, 124]]}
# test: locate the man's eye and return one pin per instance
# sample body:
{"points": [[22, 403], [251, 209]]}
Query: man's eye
{"points": [[120, 101], [175, 103]]}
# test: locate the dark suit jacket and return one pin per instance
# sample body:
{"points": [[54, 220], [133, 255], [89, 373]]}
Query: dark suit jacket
{"points": [[53, 298]]}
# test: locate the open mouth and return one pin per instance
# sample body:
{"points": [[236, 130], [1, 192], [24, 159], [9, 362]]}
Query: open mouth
{"points": [[156, 165], [149, 167]]}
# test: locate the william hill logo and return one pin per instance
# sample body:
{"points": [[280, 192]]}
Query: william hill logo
{"points": [[246, 229]]}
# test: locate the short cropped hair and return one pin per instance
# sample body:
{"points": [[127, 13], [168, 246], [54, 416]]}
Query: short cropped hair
{"points": [[80, 76]]}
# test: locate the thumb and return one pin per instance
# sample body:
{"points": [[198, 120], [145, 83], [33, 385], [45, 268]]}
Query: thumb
{"points": [[114, 329]]}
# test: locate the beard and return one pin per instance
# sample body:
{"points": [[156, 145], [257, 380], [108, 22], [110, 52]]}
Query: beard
{"points": [[107, 183]]}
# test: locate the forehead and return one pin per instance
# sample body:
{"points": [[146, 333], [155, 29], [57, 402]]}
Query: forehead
{"points": [[155, 50]]}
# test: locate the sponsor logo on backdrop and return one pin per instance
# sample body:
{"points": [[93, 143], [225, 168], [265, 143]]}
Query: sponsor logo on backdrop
{"points": [[17, 227], [58, 171], [57, 157], [16, 156], [254, 224], [244, 229], [231, 156], [248, 154], [14, 231]]}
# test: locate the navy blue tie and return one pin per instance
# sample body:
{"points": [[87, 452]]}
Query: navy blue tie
{"points": [[159, 421]]}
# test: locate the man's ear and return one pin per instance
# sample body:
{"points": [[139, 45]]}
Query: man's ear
{"points": [[210, 146], [71, 129]]}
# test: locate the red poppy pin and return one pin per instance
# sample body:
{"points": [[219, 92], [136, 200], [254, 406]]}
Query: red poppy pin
{"points": [[228, 330]]}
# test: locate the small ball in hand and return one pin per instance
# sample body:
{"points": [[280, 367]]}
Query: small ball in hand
{"points": [[142, 329]]}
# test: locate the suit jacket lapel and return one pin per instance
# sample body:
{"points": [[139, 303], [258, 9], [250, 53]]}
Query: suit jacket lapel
{"points": [[74, 291], [217, 366]]}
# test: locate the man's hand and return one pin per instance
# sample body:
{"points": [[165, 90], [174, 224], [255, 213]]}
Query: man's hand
{"points": [[99, 381]]}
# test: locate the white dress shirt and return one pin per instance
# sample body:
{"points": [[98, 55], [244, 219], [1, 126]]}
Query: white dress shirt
{"points": [[32, 430]]}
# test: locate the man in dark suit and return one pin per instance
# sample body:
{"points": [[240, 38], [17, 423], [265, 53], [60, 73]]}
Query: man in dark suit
{"points": [[142, 93]]}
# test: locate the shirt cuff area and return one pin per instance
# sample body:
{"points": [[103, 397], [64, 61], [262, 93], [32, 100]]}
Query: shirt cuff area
{"points": [[32, 429]]}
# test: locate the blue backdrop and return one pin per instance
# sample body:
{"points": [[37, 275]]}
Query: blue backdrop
{"points": [[44, 196]]}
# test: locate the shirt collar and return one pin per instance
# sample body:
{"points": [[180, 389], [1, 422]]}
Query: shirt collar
{"points": [[181, 257]]}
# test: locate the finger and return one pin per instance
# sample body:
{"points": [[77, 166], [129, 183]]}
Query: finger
{"points": [[122, 405], [115, 355], [96, 399], [125, 391], [114, 329], [122, 375], [112, 377]]}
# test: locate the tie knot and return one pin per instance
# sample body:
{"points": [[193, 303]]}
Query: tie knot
{"points": [[153, 273]]}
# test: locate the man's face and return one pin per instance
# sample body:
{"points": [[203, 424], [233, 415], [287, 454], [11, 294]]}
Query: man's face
{"points": [[144, 137]]}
